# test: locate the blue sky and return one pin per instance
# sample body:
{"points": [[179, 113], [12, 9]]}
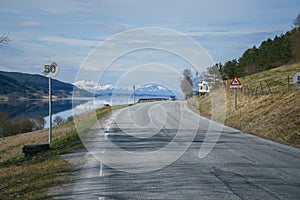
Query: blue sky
{"points": [[67, 31]]}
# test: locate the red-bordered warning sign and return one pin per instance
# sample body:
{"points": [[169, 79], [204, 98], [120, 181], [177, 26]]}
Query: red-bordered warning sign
{"points": [[235, 83]]}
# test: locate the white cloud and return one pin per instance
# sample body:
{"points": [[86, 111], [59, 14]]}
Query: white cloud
{"points": [[136, 43], [54, 6], [30, 23], [236, 32], [2, 68], [44, 30], [69, 41]]}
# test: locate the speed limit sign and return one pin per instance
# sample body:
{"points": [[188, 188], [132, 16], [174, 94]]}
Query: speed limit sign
{"points": [[50, 69], [296, 79]]}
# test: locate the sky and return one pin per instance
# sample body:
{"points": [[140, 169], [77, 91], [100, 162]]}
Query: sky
{"points": [[81, 36]]}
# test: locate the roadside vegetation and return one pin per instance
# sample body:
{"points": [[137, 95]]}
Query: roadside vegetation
{"points": [[267, 106], [22, 124], [30, 179], [19, 125], [272, 53], [282, 50]]}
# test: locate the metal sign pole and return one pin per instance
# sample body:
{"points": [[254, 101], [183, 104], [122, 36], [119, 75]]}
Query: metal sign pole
{"points": [[50, 111], [133, 94], [234, 96], [235, 83], [50, 70]]}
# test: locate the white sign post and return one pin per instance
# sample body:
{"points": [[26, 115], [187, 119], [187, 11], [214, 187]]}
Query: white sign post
{"points": [[133, 87], [50, 70], [235, 83]]}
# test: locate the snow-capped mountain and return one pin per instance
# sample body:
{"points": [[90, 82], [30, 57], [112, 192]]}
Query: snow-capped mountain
{"points": [[153, 89], [150, 89], [91, 86]]}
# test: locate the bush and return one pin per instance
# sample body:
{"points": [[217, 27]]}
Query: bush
{"points": [[15, 126], [21, 125], [38, 122], [58, 120], [4, 125]]}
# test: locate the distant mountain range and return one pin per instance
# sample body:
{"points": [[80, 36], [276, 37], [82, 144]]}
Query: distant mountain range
{"points": [[15, 85], [150, 89], [153, 89]]}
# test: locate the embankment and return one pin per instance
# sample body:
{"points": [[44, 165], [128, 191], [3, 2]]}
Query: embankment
{"points": [[267, 106]]}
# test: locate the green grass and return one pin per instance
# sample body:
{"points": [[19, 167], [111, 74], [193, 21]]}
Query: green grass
{"points": [[69, 142], [277, 78], [14, 159], [3, 98], [30, 179], [3, 151], [274, 116]]}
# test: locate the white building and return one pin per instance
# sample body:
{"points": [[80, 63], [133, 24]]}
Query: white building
{"points": [[203, 87]]}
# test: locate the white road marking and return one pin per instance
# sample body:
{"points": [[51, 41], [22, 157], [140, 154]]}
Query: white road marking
{"points": [[101, 170]]}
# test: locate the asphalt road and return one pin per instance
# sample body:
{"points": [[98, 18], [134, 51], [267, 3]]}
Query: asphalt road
{"points": [[138, 146]]}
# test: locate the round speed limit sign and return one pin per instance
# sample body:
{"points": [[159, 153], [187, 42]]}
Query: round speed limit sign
{"points": [[296, 79], [50, 69]]}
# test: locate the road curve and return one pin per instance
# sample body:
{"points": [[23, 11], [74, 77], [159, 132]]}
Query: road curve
{"points": [[240, 166]]}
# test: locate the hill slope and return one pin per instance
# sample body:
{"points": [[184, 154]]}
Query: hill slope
{"points": [[21, 85], [270, 113]]}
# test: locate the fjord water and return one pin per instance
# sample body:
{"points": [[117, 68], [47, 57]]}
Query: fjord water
{"points": [[64, 107], [60, 107]]}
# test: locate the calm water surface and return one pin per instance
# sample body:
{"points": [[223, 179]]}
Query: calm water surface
{"points": [[60, 107]]}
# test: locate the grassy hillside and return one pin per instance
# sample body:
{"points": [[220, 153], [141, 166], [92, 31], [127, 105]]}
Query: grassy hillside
{"points": [[266, 106], [31, 179]]}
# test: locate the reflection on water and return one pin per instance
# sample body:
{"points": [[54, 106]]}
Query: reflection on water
{"points": [[32, 108], [60, 107], [80, 106]]}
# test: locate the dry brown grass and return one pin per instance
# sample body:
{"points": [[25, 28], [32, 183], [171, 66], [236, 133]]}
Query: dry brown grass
{"points": [[12, 146], [274, 116], [31, 179]]}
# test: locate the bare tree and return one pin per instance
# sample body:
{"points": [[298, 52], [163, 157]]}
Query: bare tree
{"points": [[70, 118], [297, 21], [5, 38], [39, 122], [187, 83], [5, 125], [58, 120]]}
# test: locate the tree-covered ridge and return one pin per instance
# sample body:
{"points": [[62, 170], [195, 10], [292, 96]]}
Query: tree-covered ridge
{"points": [[272, 53], [21, 85]]}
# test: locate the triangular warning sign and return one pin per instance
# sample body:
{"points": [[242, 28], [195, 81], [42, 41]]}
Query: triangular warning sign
{"points": [[235, 83]]}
